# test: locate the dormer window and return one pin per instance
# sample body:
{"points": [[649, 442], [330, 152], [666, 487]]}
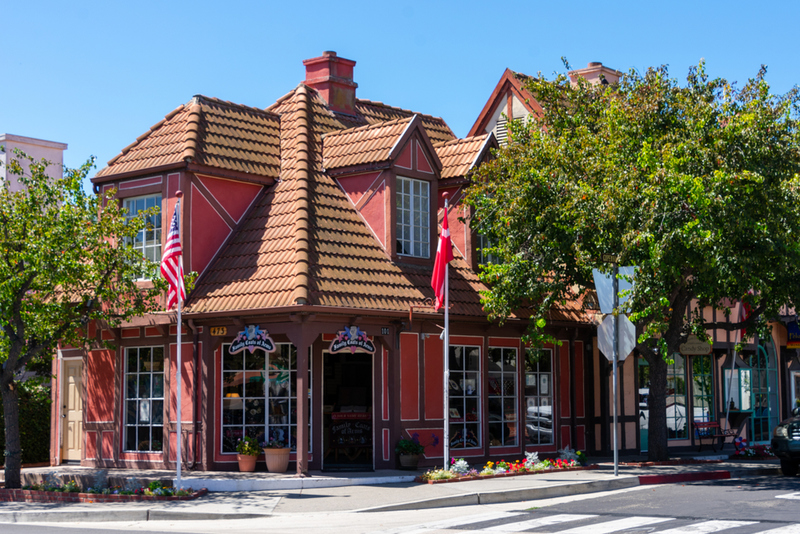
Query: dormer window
{"points": [[148, 240], [413, 218]]}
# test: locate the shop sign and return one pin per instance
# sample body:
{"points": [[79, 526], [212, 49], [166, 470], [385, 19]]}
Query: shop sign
{"points": [[793, 330], [464, 440], [695, 346], [252, 338], [219, 331], [352, 338]]}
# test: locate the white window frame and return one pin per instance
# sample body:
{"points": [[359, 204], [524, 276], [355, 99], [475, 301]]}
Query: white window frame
{"points": [[539, 393], [413, 218], [464, 397], [502, 391], [147, 241], [146, 406]]}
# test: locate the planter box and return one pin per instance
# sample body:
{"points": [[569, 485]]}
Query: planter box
{"points": [[502, 475], [21, 495]]}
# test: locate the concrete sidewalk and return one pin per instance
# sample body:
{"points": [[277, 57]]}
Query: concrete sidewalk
{"points": [[368, 492]]}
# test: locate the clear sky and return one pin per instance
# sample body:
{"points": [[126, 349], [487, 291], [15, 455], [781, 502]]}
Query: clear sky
{"points": [[97, 74]]}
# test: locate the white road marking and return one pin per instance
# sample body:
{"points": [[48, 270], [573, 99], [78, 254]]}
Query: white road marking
{"points": [[455, 522], [707, 527], [620, 524], [534, 523], [788, 529], [795, 496]]}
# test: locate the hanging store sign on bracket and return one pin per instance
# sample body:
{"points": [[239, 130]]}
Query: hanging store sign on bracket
{"points": [[252, 338], [352, 338]]}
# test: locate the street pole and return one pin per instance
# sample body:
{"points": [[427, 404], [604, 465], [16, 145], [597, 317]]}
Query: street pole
{"points": [[615, 283]]}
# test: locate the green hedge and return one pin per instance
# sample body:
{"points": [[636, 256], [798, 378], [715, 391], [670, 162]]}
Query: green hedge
{"points": [[34, 417]]}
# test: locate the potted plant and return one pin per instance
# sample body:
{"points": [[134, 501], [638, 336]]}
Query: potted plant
{"points": [[247, 451], [409, 451], [276, 454]]}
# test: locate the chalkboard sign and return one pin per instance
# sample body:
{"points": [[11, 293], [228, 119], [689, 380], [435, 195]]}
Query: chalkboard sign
{"points": [[350, 429]]}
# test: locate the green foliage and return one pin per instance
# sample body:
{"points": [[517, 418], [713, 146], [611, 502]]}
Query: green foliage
{"points": [[248, 446], [696, 185], [34, 415]]}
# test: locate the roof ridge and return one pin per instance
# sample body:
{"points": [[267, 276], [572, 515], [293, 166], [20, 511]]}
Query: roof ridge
{"points": [[381, 104], [198, 99], [456, 141], [301, 199], [284, 98], [381, 124]]}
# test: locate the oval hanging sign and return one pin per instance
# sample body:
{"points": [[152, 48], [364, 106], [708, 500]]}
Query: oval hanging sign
{"points": [[352, 338], [252, 338], [694, 346]]}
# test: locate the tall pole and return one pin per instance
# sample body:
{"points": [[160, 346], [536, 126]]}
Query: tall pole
{"points": [[178, 381], [615, 283], [446, 358]]}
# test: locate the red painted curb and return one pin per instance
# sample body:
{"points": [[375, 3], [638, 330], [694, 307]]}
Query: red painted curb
{"points": [[683, 477]]}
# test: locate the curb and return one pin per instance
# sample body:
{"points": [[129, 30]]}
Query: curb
{"points": [[291, 483], [102, 516]]}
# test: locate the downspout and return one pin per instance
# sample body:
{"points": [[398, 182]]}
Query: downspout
{"points": [[196, 359]]}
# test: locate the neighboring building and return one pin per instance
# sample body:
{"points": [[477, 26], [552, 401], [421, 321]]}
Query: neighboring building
{"points": [[38, 149], [766, 377], [313, 226]]}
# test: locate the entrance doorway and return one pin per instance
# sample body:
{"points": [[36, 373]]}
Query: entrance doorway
{"points": [[72, 411], [347, 412]]}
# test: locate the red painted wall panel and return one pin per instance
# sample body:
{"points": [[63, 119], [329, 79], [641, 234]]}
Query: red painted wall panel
{"points": [[374, 212], [208, 231], [563, 379], [235, 197], [422, 160], [385, 388], [434, 385], [565, 441], [107, 443], [404, 159], [91, 444], [356, 186], [409, 377], [99, 385], [580, 408], [187, 382]]}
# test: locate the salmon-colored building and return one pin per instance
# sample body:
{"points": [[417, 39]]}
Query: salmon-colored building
{"points": [[313, 226]]}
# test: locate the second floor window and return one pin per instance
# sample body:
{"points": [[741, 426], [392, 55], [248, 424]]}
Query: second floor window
{"points": [[413, 218], [148, 240]]}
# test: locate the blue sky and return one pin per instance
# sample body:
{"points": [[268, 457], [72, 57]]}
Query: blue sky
{"points": [[97, 74]]}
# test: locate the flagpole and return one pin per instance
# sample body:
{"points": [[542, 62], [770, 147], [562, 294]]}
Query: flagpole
{"points": [[446, 348], [178, 371]]}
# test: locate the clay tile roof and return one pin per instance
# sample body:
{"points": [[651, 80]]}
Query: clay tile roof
{"points": [[374, 112], [461, 155], [206, 131], [366, 144]]}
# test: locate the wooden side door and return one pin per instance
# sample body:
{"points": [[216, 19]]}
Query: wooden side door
{"points": [[72, 411]]}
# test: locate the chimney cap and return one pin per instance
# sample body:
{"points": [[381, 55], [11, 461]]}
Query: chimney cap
{"points": [[329, 53], [595, 63]]}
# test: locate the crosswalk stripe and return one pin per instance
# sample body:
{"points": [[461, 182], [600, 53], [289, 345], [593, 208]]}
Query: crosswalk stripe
{"points": [[619, 524], [706, 527], [788, 529], [460, 521], [539, 522]]}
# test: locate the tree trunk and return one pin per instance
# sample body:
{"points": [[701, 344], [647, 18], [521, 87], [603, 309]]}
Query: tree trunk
{"points": [[657, 425], [13, 453]]}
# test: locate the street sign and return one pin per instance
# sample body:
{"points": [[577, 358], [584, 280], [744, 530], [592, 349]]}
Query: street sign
{"points": [[627, 337], [604, 284]]}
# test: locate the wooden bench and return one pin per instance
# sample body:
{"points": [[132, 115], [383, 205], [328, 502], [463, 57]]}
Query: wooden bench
{"points": [[711, 430]]}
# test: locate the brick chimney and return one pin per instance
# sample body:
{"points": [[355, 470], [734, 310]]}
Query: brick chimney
{"points": [[332, 77], [592, 73]]}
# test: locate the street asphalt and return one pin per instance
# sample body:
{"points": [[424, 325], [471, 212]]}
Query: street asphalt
{"points": [[261, 494]]}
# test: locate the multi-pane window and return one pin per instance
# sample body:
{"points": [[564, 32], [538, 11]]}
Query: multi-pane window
{"points": [[260, 396], [765, 393], [148, 240], [538, 396], [464, 397], [702, 388], [676, 399], [144, 399], [502, 391], [413, 217], [484, 257]]}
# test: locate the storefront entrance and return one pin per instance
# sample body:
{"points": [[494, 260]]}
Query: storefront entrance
{"points": [[347, 411]]}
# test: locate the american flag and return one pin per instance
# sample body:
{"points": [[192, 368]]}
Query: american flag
{"points": [[172, 263]]}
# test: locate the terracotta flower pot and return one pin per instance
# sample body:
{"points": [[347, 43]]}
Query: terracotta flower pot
{"points": [[247, 463], [277, 460]]}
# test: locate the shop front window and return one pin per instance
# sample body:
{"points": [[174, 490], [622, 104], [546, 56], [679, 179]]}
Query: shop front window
{"points": [[144, 399], [502, 391], [464, 397], [702, 388], [676, 399], [538, 396], [259, 396]]}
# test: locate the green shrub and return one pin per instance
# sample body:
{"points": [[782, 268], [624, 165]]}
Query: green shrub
{"points": [[34, 420]]}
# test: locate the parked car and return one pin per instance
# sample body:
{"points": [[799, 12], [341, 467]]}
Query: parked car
{"points": [[786, 443]]}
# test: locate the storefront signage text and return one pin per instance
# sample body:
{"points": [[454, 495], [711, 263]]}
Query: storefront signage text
{"points": [[352, 338], [793, 342], [694, 346], [252, 338]]}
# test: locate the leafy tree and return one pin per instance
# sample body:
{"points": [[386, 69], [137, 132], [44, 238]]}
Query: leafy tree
{"points": [[64, 262], [697, 185]]}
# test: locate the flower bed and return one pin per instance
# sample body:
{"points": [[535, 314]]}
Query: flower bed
{"points": [[465, 478], [752, 452], [26, 495], [461, 471]]}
